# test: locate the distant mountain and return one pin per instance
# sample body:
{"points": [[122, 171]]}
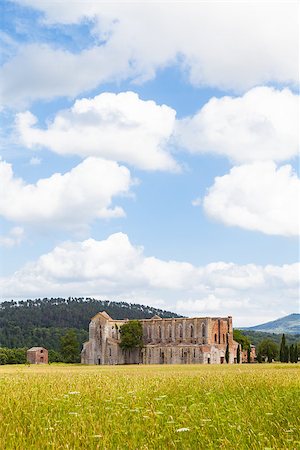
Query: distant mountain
{"points": [[288, 324]]}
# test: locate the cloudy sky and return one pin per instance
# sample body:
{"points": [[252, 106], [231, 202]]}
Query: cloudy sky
{"points": [[149, 154]]}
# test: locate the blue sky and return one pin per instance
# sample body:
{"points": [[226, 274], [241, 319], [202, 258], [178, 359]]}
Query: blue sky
{"points": [[149, 153]]}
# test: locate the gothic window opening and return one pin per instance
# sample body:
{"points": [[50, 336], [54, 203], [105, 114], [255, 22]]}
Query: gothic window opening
{"points": [[180, 331], [216, 338], [192, 331]]}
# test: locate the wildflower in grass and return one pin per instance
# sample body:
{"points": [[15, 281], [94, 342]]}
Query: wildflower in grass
{"points": [[180, 430], [74, 393]]}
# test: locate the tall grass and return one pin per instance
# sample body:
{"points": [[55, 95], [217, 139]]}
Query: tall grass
{"points": [[150, 407]]}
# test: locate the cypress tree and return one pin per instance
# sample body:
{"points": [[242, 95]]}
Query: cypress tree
{"points": [[248, 355], [296, 353], [282, 346], [291, 353], [284, 350], [238, 355], [227, 354]]}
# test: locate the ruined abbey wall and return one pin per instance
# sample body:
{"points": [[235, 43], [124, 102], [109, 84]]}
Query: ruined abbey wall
{"points": [[200, 340]]}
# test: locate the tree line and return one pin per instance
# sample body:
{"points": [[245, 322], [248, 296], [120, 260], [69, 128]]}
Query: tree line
{"points": [[47, 322], [269, 351], [68, 351]]}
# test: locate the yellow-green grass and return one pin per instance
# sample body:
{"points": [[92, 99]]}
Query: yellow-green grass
{"points": [[150, 407]]}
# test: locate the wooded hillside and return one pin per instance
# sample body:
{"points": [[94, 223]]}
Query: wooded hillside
{"points": [[42, 322]]}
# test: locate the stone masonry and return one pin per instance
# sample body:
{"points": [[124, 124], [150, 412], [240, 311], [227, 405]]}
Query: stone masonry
{"points": [[199, 340]]}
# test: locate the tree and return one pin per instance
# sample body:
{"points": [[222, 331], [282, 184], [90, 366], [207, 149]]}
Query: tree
{"points": [[296, 353], [239, 337], [284, 350], [268, 349], [131, 335], [248, 355], [238, 355], [227, 353], [291, 353], [69, 347]]}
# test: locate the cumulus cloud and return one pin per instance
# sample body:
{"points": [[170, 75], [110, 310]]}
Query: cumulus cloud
{"points": [[212, 51], [12, 238], [260, 125], [259, 197], [114, 268], [70, 200], [120, 127]]}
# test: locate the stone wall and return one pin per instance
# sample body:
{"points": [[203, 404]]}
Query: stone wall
{"points": [[200, 340]]}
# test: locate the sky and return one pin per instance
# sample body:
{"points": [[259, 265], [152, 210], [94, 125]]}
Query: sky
{"points": [[149, 154]]}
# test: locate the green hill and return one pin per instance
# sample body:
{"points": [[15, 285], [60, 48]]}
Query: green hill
{"points": [[42, 322]]}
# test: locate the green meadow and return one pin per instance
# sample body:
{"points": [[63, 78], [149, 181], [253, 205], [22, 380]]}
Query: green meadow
{"points": [[150, 407]]}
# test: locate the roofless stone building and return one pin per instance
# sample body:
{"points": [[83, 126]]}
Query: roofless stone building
{"points": [[37, 355], [199, 340]]}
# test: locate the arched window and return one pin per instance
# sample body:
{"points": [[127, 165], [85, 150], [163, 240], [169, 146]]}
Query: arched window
{"points": [[203, 330], [182, 353], [194, 353], [192, 331], [170, 331], [159, 332], [180, 331], [149, 333], [223, 338], [216, 338], [100, 332]]}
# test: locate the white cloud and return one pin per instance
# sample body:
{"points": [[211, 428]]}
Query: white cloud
{"points": [[258, 197], [227, 45], [12, 238], [70, 200], [115, 269], [261, 125], [121, 127]]}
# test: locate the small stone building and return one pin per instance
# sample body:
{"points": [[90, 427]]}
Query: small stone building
{"points": [[198, 340], [37, 355]]}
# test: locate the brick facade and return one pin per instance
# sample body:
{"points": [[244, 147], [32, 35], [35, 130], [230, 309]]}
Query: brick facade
{"points": [[37, 355], [199, 340]]}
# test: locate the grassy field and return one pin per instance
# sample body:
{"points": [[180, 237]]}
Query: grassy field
{"points": [[150, 407]]}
